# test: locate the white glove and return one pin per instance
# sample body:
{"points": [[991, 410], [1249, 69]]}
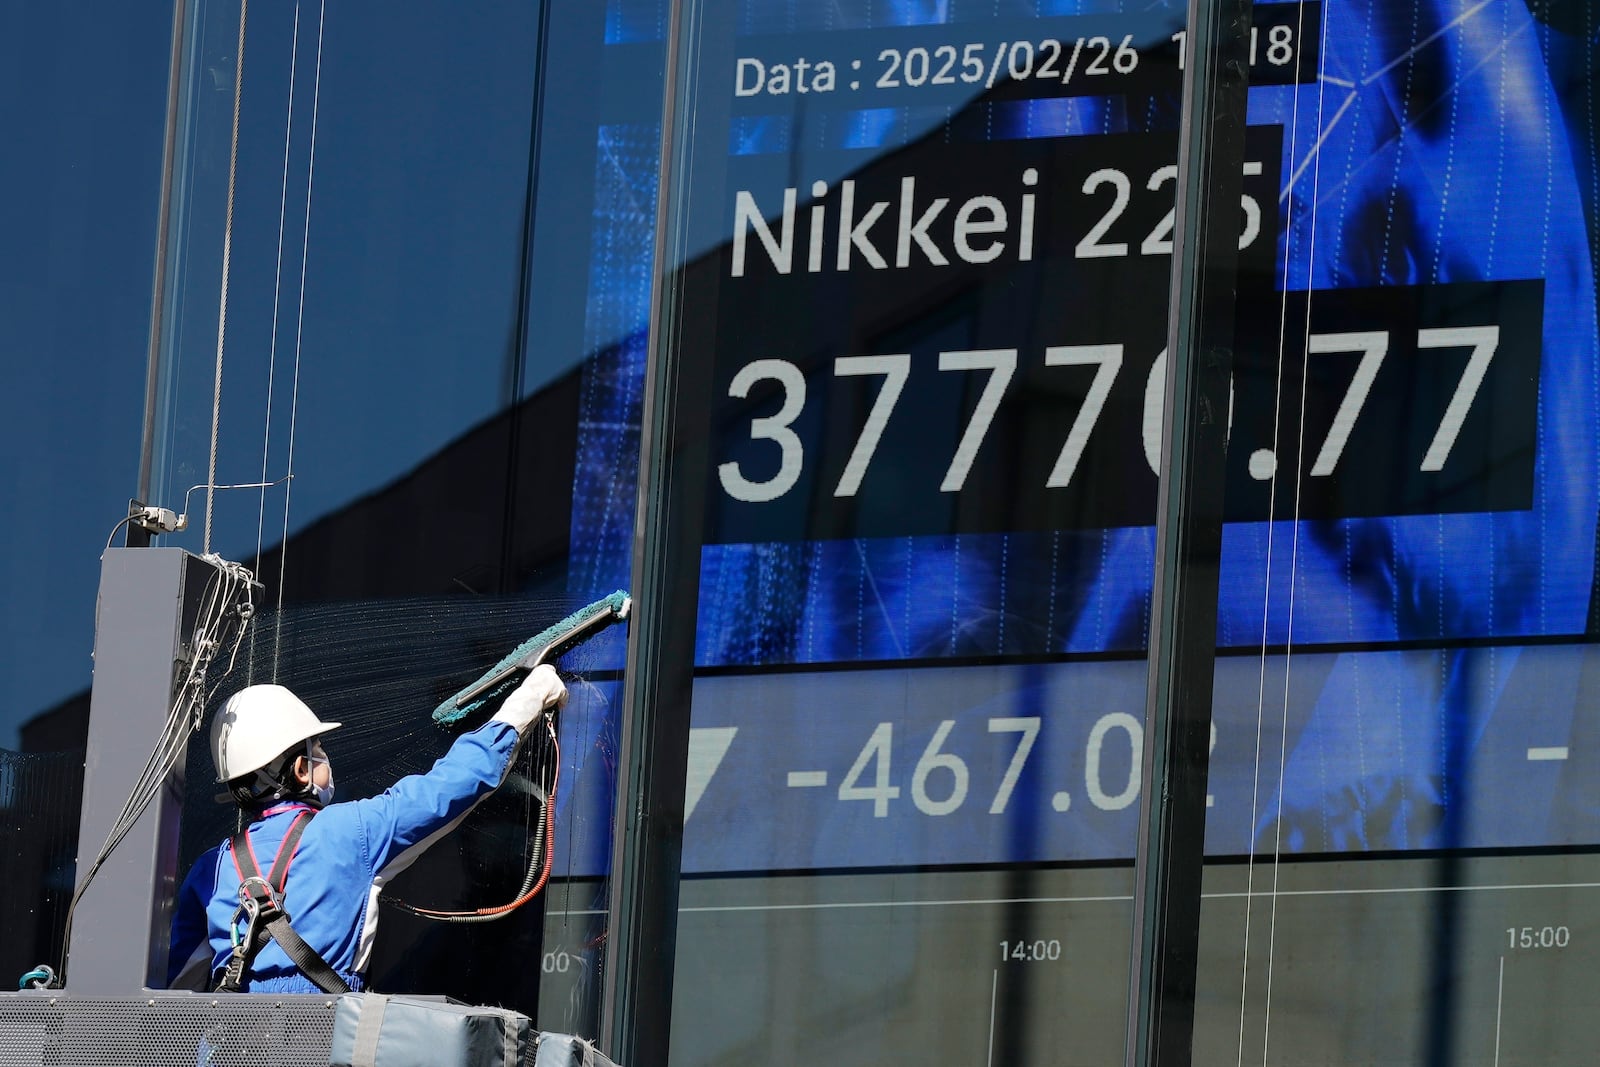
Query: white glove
{"points": [[539, 691]]}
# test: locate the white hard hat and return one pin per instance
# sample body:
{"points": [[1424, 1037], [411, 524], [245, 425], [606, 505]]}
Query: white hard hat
{"points": [[256, 725]]}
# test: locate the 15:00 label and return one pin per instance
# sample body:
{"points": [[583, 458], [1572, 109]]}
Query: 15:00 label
{"points": [[1536, 937]]}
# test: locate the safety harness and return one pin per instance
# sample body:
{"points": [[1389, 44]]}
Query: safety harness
{"points": [[264, 916]]}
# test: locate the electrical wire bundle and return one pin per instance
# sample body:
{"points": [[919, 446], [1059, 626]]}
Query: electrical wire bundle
{"points": [[542, 788], [226, 607]]}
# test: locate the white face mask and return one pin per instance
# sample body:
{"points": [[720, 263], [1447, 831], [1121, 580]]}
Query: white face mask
{"points": [[323, 793]]}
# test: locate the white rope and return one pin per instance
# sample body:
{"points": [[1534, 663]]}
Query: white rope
{"points": [[226, 601], [227, 257], [1266, 610], [299, 333], [1294, 551], [277, 283]]}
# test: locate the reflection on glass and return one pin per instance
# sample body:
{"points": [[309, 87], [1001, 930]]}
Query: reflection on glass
{"points": [[919, 280], [435, 308], [924, 262], [374, 249], [1402, 825], [79, 217]]}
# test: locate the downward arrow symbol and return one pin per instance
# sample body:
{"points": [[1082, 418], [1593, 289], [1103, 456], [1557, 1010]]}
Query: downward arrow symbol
{"points": [[707, 747]]}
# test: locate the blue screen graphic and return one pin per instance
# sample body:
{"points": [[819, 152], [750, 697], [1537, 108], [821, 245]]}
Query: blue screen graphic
{"points": [[1039, 762], [1423, 262]]}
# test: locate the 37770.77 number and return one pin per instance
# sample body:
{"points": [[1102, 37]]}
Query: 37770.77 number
{"points": [[1000, 366]]}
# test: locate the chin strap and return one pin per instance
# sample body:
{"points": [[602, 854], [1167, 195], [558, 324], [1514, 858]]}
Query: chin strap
{"points": [[266, 787]]}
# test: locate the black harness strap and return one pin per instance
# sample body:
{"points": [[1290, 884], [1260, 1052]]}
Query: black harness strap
{"points": [[259, 900]]}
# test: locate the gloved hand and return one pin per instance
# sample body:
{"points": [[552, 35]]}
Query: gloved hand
{"points": [[540, 690]]}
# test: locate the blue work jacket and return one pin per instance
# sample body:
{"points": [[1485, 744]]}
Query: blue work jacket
{"points": [[345, 857]]}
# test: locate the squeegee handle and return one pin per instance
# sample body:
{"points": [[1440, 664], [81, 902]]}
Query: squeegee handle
{"points": [[498, 678], [580, 631]]}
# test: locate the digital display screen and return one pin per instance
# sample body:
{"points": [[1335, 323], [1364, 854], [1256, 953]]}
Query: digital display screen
{"points": [[943, 319], [930, 310], [920, 259], [1040, 763]]}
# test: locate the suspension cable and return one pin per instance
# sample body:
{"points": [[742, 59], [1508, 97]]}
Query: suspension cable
{"points": [[1287, 198], [1294, 547], [299, 335], [226, 608], [277, 283], [227, 257]]}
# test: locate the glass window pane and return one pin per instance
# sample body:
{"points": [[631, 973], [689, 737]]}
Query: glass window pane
{"points": [[374, 258], [85, 92], [1401, 837], [436, 294], [916, 334]]}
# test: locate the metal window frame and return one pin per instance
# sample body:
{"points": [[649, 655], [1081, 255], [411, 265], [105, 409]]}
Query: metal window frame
{"points": [[658, 680], [1183, 610]]}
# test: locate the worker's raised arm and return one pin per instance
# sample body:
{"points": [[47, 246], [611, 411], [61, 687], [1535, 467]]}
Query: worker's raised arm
{"points": [[417, 810]]}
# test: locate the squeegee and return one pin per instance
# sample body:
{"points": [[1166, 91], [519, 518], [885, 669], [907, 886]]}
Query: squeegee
{"points": [[542, 647]]}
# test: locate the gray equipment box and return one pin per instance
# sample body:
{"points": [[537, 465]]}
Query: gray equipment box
{"points": [[164, 1029], [375, 1030]]}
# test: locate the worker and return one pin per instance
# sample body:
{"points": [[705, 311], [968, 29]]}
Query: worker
{"points": [[267, 748]]}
